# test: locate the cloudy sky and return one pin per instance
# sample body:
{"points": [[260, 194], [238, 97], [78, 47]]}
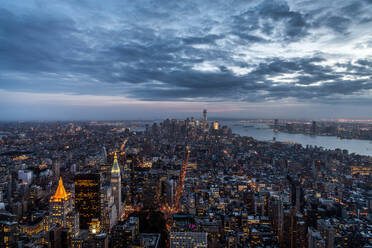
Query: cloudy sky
{"points": [[152, 59]]}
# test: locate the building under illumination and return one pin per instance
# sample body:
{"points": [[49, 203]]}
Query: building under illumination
{"points": [[8, 234], [215, 125], [116, 184], [87, 197], [60, 206], [95, 226], [188, 239]]}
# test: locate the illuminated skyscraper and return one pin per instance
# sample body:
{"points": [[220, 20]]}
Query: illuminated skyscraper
{"points": [[215, 125], [60, 206], [205, 116], [116, 184], [87, 197]]}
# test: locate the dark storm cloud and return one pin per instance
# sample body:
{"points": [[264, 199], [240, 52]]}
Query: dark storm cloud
{"points": [[208, 39], [265, 18], [177, 51], [338, 23], [353, 9], [364, 62], [224, 84], [35, 43], [341, 17]]}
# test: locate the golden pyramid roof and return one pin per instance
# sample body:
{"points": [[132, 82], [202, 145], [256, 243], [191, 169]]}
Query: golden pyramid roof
{"points": [[61, 193], [115, 167]]}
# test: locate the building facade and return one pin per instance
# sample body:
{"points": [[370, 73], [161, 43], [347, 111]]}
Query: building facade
{"points": [[116, 185], [87, 197]]}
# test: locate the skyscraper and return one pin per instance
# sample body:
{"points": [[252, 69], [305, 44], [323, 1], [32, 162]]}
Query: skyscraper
{"points": [[215, 125], [116, 184], [169, 187], [276, 125], [104, 155], [60, 205], [8, 233], [205, 116], [108, 208], [314, 128], [87, 197]]}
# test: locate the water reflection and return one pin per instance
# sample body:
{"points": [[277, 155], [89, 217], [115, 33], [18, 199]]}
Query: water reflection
{"points": [[261, 131]]}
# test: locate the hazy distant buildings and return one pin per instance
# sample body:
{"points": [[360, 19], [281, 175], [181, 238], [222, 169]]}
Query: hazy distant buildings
{"points": [[276, 125], [313, 129], [204, 121]]}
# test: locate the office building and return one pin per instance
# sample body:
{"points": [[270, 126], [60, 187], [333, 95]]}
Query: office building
{"points": [[87, 197], [60, 206], [116, 185], [188, 240]]}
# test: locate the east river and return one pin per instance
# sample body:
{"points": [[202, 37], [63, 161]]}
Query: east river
{"points": [[262, 132]]}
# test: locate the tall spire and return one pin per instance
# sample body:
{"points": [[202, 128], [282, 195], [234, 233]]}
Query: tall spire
{"points": [[60, 192], [115, 167]]}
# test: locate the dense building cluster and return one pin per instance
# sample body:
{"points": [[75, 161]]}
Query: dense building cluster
{"points": [[175, 183]]}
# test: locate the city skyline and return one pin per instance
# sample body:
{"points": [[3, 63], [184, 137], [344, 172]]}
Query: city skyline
{"points": [[153, 59], [182, 183], [176, 124]]}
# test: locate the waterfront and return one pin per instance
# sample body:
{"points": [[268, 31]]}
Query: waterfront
{"points": [[262, 132], [168, 176]]}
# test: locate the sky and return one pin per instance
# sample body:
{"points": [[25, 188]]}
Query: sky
{"points": [[112, 60]]}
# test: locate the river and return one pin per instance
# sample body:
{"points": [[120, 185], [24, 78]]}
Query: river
{"points": [[262, 132]]}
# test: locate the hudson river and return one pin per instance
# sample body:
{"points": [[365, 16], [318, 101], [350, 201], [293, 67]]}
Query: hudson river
{"points": [[261, 131]]}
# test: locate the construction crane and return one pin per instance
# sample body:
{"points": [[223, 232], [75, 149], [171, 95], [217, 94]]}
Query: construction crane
{"points": [[181, 181]]}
